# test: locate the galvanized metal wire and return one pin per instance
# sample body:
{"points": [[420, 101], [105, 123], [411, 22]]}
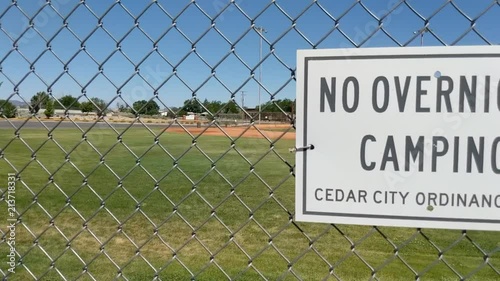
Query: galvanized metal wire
{"points": [[376, 28]]}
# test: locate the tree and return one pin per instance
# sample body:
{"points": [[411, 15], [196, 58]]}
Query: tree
{"points": [[86, 107], [99, 106], [37, 101], [49, 108], [192, 106], [68, 101], [122, 107], [212, 106], [94, 104], [231, 107], [146, 107], [287, 105], [7, 109]]}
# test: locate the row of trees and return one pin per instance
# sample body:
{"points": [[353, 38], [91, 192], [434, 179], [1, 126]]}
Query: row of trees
{"points": [[96, 105], [286, 105], [143, 107], [152, 108], [211, 106], [42, 99]]}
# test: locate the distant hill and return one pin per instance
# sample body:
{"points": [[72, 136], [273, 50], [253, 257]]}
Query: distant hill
{"points": [[19, 103]]}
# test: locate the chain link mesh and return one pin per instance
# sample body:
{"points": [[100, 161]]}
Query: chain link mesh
{"points": [[102, 200]]}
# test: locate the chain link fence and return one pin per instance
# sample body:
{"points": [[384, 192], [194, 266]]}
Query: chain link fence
{"points": [[139, 199]]}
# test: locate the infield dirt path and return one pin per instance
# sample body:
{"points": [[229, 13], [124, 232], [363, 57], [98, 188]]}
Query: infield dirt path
{"points": [[271, 131]]}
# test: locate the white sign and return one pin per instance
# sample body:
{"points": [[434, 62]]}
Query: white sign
{"points": [[401, 137]]}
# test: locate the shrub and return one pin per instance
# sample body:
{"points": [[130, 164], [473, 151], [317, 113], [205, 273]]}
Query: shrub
{"points": [[49, 109], [7, 109]]}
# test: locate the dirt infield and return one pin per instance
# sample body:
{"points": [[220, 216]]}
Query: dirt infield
{"points": [[271, 131]]}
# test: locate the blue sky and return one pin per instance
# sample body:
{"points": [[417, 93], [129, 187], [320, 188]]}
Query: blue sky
{"points": [[119, 74]]}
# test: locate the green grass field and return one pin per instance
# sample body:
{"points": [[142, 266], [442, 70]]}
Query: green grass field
{"points": [[131, 208]]}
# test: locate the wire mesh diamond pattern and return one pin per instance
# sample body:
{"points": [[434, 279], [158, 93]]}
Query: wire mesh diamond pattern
{"points": [[166, 197]]}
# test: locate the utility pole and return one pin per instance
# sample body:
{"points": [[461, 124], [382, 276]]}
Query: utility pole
{"points": [[426, 29], [242, 105], [260, 30]]}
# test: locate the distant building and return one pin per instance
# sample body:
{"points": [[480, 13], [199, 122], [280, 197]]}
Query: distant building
{"points": [[70, 112], [191, 116], [57, 112]]}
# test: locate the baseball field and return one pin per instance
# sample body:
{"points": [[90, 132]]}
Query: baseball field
{"points": [[197, 203]]}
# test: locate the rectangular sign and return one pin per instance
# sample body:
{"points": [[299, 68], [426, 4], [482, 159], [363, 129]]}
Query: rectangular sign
{"points": [[399, 137]]}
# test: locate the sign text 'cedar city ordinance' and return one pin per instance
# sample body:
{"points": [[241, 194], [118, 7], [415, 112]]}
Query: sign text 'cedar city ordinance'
{"points": [[402, 137]]}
